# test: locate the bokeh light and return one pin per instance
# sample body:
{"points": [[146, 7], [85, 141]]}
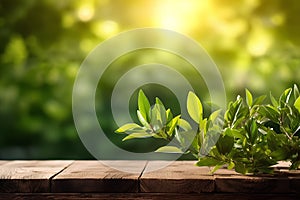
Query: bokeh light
{"points": [[255, 44]]}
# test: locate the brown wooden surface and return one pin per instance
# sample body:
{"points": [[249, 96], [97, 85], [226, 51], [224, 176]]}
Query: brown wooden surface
{"points": [[3, 161], [149, 196], [29, 176], [179, 176], [93, 176], [179, 180]]}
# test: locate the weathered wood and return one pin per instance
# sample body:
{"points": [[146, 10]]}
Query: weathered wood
{"points": [[93, 176], [179, 180], [3, 162], [143, 196], [180, 176], [29, 176], [283, 181]]}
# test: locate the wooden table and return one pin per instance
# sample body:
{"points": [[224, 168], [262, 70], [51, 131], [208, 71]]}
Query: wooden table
{"points": [[180, 180]]}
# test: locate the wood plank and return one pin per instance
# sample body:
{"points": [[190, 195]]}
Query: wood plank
{"points": [[180, 176], [230, 181], [94, 176], [143, 196], [29, 176], [3, 162]]}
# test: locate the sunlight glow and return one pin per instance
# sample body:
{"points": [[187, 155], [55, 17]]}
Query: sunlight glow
{"points": [[179, 15], [105, 28], [259, 42], [85, 12]]}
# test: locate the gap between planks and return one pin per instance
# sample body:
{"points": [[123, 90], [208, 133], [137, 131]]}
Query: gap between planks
{"points": [[50, 179]]}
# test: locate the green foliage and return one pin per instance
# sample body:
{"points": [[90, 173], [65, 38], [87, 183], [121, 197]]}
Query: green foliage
{"points": [[250, 136], [156, 121], [43, 43]]}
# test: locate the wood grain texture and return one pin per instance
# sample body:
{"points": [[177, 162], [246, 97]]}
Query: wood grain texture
{"points": [[3, 162], [149, 196], [93, 176], [283, 181], [180, 176], [29, 176], [95, 180]]}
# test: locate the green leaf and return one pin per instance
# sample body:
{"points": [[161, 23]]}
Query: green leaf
{"points": [[172, 125], [249, 98], [259, 100], [236, 133], [297, 104], [233, 112], [158, 117], [273, 100], [203, 125], [296, 91], [142, 119], [169, 115], [144, 105], [214, 115], [194, 107], [218, 166], [240, 168], [280, 154], [184, 125], [127, 127], [207, 161], [285, 97], [169, 149], [185, 138], [158, 101], [138, 135], [253, 131], [225, 144], [270, 112], [231, 165]]}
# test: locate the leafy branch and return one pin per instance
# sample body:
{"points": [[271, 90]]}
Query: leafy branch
{"points": [[249, 136]]}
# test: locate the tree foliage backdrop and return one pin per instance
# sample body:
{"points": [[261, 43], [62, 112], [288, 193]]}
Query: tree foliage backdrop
{"points": [[255, 44]]}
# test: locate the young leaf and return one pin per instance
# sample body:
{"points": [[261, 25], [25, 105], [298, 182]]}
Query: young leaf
{"points": [[169, 115], [273, 100], [270, 112], [297, 104], [158, 117], [218, 166], [231, 165], [214, 115], [285, 97], [249, 98], [194, 107], [158, 101], [185, 138], [259, 100], [144, 105], [172, 125], [207, 161], [254, 130], [142, 119], [169, 149], [236, 133], [225, 144], [138, 135], [240, 168], [184, 125], [296, 91], [127, 127]]}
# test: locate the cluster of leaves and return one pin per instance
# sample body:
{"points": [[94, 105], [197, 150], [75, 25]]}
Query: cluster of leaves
{"points": [[250, 136]]}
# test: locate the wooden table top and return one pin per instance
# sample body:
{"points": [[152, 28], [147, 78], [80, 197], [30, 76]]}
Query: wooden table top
{"points": [[54, 178]]}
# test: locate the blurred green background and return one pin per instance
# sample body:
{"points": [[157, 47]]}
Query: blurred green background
{"points": [[254, 43]]}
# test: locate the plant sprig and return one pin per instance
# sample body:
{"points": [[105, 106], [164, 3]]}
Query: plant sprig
{"points": [[250, 136]]}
